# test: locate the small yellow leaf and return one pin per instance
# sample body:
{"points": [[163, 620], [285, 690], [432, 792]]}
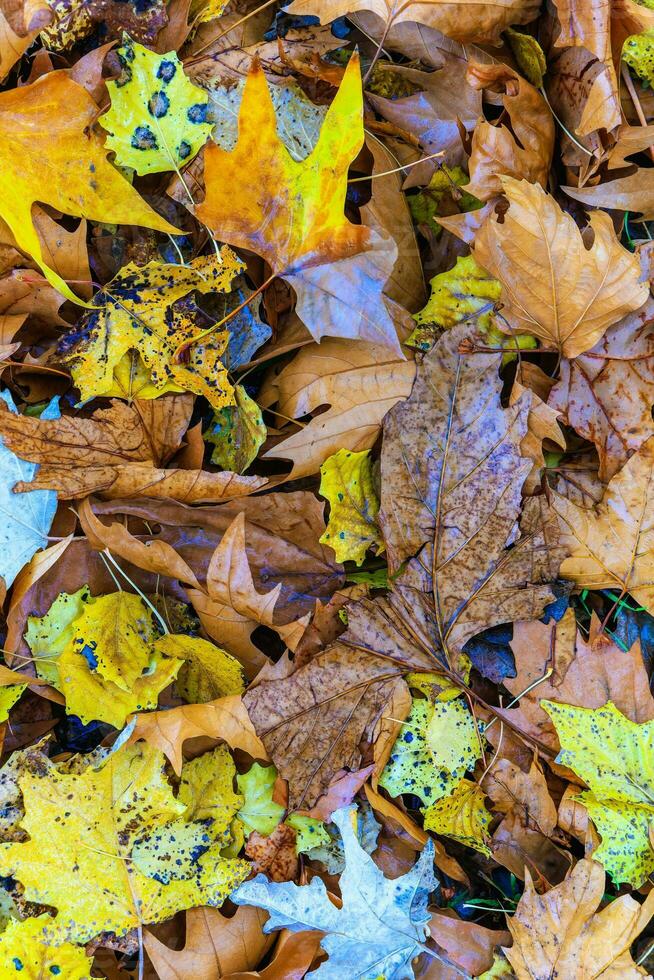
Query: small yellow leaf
{"points": [[614, 756], [259, 811], [157, 120], [638, 53], [48, 636], [463, 292], [346, 481], [136, 311], [208, 672], [451, 736], [203, 11], [8, 697], [207, 789], [462, 816], [26, 952]]}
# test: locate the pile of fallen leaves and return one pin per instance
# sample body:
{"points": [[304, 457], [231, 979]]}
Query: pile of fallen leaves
{"points": [[326, 489]]}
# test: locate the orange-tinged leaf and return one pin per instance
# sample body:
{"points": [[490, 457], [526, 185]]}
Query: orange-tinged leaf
{"points": [[73, 176], [294, 219]]}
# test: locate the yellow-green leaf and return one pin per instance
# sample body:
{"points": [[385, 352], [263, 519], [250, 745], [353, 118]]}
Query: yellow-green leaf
{"points": [[346, 480], [615, 758], [309, 832], [419, 766], [529, 55], [48, 636], [259, 811], [237, 433], [452, 737], [457, 295], [137, 311], [157, 120], [638, 53], [9, 695], [26, 952], [80, 856], [462, 816], [208, 672], [207, 789]]}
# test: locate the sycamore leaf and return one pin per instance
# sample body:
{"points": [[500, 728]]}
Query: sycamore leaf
{"points": [[26, 518], [139, 310], [157, 120], [74, 176], [295, 221], [381, 925], [237, 433], [452, 473], [463, 20], [613, 756], [83, 830], [24, 947], [346, 480], [259, 811], [462, 816], [553, 286], [208, 671], [562, 933], [611, 545]]}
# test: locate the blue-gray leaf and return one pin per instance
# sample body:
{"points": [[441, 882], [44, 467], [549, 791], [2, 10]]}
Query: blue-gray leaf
{"points": [[381, 926], [25, 518]]}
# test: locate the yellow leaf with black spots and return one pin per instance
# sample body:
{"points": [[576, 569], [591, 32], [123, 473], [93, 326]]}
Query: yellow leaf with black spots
{"points": [[208, 672], [465, 292], [638, 53], [25, 952], [157, 120], [423, 765], [146, 310], [83, 833], [346, 480], [48, 636], [615, 758], [462, 816], [207, 789]]}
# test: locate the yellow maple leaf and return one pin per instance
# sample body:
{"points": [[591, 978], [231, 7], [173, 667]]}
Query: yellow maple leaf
{"points": [[137, 311], [93, 854], [346, 480], [23, 947], [74, 176], [295, 220], [462, 816], [614, 756]]}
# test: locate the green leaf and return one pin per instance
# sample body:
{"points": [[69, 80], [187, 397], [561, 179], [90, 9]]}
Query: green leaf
{"points": [[346, 480], [529, 55], [381, 925], [615, 758], [237, 433], [157, 120], [259, 811], [310, 833], [48, 636]]}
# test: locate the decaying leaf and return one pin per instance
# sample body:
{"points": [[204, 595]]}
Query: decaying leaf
{"points": [[348, 484], [553, 285]]}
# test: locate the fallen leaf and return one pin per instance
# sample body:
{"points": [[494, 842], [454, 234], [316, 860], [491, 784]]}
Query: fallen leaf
{"points": [[275, 854], [553, 286], [346, 480], [23, 945], [158, 117], [562, 929], [259, 811], [325, 246]]}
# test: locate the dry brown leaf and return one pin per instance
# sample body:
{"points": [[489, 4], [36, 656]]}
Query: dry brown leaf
{"points": [[467, 944], [118, 452], [294, 954], [562, 933], [360, 382], [452, 473], [606, 395], [553, 286], [224, 719], [612, 544], [20, 23], [274, 855], [215, 945], [633, 192], [519, 143], [542, 424]]}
